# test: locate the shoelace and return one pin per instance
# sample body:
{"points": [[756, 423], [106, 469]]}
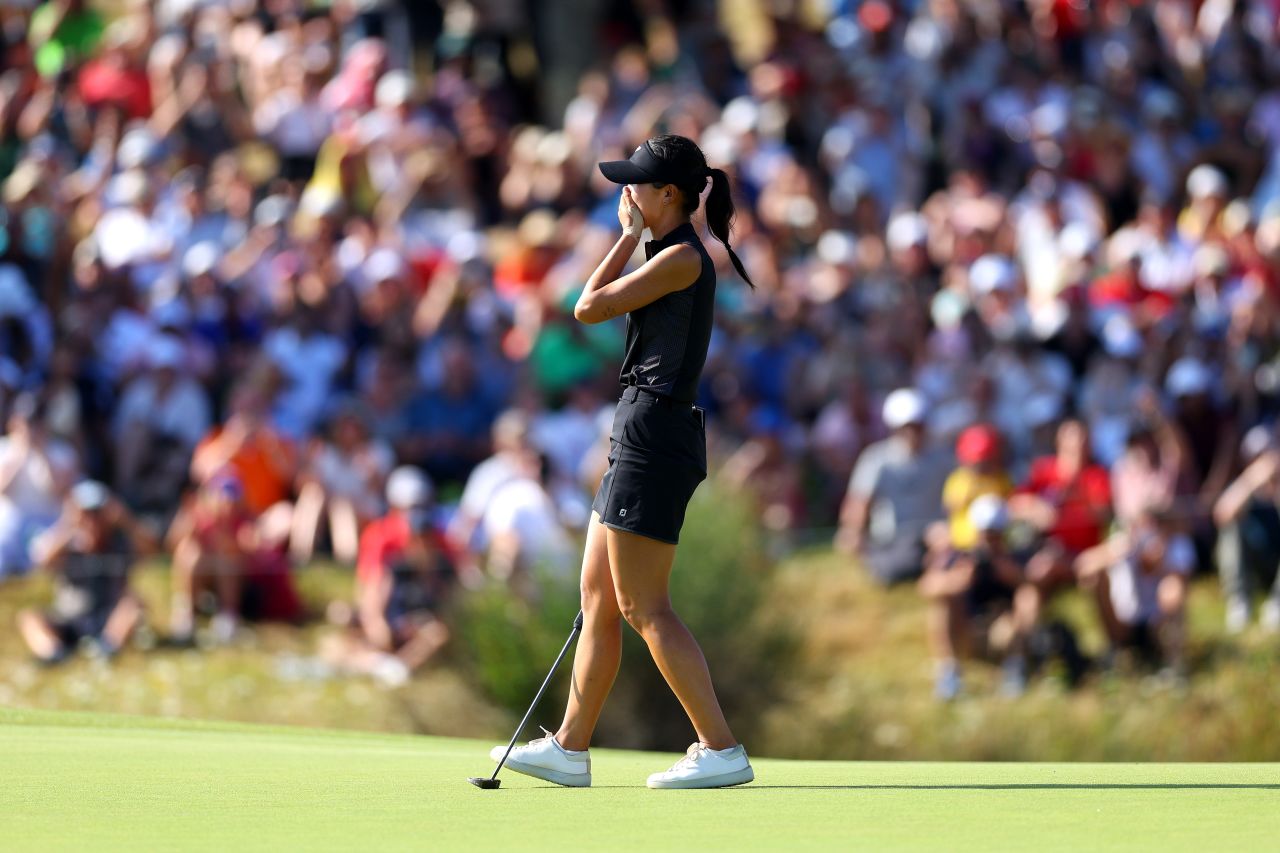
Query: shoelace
{"points": [[546, 736], [695, 751]]}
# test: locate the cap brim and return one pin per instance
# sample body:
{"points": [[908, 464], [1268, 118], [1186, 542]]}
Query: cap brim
{"points": [[625, 172]]}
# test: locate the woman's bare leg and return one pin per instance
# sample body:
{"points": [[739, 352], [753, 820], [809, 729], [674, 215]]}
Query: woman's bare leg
{"points": [[344, 531], [307, 515], [641, 569], [599, 652]]}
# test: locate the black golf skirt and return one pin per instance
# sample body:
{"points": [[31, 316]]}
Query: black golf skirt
{"points": [[657, 457]]}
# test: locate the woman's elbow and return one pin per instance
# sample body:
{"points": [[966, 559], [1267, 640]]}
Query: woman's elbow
{"points": [[584, 312]]}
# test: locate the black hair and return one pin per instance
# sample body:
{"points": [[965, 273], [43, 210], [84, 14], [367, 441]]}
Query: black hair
{"points": [[689, 160]]}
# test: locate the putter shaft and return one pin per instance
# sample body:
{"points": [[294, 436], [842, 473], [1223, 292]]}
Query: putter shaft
{"points": [[573, 635]]}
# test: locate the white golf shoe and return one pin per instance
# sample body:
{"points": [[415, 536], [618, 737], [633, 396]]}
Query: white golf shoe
{"points": [[544, 758], [704, 767]]}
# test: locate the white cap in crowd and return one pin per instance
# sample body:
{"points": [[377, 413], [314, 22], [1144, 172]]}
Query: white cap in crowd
{"points": [[988, 513], [902, 407], [409, 487], [1205, 181], [90, 495]]}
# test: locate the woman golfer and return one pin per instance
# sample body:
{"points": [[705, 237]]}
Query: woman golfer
{"points": [[657, 457]]}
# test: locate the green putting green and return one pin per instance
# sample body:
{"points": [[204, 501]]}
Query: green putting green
{"points": [[76, 781]]}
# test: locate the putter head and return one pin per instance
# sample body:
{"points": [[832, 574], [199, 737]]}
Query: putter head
{"points": [[485, 782]]}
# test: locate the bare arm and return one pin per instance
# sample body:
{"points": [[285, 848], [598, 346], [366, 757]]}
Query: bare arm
{"points": [[608, 293], [372, 605], [672, 269], [1237, 495], [944, 583]]}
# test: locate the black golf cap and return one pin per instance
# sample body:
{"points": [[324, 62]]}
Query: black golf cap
{"points": [[644, 167]]}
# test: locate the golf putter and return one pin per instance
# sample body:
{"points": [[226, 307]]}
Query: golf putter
{"points": [[493, 781]]}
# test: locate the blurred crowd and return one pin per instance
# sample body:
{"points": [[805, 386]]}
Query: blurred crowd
{"points": [[279, 276]]}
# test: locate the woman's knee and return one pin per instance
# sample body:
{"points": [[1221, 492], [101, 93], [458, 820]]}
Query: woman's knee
{"points": [[646, 618]]}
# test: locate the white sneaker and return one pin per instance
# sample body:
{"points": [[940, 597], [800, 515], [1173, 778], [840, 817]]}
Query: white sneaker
{"points": [[1270, 618], [704, 767], [1237, 615], [390, 671], [224, 627], [546, 759]]}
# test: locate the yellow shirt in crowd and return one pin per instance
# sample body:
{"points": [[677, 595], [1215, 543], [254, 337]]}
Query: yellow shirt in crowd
{"points": [[963, 487]]}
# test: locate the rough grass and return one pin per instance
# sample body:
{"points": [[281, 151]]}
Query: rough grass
{"points": [[859, 688], [862, 687], [81, 781]]}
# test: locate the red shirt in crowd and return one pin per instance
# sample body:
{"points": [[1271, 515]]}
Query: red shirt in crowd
{"points": [[384, 540], [1081, 502]]}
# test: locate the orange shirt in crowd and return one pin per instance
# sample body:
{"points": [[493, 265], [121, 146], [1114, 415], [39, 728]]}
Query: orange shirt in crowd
{"points": [[264, 465]]}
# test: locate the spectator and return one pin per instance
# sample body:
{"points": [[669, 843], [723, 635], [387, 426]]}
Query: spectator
{"points": [[210, 541], [527, 540], [1067, 499], [1151, 470], [402, 577], [90, 550], [35, 472], [978, 594], [1139, 577], [446, 431], [1249, 534], [511, 449], [342, 479], [895, 492], [981, 472], [158, 422], [262, 459]]}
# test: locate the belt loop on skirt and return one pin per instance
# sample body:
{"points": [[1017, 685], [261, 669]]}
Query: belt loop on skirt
{"points": [[633, 394]]}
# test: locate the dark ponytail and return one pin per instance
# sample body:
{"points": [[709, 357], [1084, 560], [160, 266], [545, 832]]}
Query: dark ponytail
{"points": [[687, 159], [720, 217]]}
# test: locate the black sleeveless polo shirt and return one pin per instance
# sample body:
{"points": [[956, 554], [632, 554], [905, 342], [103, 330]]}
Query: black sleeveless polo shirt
{"points": [[667, 339]]}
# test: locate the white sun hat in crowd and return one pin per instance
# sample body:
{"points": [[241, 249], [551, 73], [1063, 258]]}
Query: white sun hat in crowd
{"points": [[409, 487], [902, 407]]}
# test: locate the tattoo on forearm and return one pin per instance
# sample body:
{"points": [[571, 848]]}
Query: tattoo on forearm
{"points": [[610, 312]]}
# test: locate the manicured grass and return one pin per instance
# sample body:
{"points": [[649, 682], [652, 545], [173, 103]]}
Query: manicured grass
{"points": [[81, 781]]}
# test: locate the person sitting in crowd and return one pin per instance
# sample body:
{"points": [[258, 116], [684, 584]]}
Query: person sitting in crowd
{"points": [[36, 470], [1248, 523], [976, 594], [90, 550], [511, 446], [237, 559], [1067, 499], [895, 493], [446, 429], [262, 459], [980, 472], [157, 425], [402, 577], [1139, 578], [522, 526], [342, 480], [1151, 470]]}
